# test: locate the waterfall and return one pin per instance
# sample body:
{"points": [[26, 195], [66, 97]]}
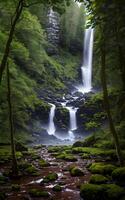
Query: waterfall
{"points": [[86, 67], [73, 121], [53, 28], [51, 127]]}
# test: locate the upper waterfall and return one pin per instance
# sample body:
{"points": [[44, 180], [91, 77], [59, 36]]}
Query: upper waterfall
{"points": [[86, 68]]}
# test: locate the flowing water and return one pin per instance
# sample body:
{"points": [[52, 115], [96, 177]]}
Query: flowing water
{"points": [[51, 126], [86, 67]]}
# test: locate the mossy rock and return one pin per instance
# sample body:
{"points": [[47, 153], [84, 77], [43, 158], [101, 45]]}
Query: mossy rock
{"points": [[98, 179], [114, 192], [57, 188], [118, 175], [43, 163], [85, 156], [38, 193], [67, 157], [101, 168], [77, 150], [91, 192], [24, 165], [75, 171], [31, 170], [50, 177], [15, 187], [54, 149]]}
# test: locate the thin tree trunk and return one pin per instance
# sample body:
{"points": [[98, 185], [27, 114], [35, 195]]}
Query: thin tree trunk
{"points": [[107, 104], [14, 161], [10, 37]]}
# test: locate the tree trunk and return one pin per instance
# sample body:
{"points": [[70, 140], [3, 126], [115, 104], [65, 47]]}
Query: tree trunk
{"points": [[10, 37], [107, 104], [14, 161]]}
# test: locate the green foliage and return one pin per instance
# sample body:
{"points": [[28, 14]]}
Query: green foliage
{"points": [[30, 65], [91, 125], [72, 29]]}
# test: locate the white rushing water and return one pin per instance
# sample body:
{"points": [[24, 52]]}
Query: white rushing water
{"points": [[51, 126], [86, 67], [73, 121]]}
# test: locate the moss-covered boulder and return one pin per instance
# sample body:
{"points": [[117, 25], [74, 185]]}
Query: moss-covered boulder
{"points": [[85, 156], [43, 163], [50, 177], [75, 171], [38, 193], [31, 170], [57, 188], [67, 157], [118, 175], [92, 192], [114, 192], [101, 168], [98, 179], [54, 149]]}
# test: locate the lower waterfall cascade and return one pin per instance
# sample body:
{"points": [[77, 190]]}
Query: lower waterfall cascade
{"points": [[51, 126]]}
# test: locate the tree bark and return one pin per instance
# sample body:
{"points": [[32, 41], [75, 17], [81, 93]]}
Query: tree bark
{"points": [[10, 37], [14, 161], [107, 104]]}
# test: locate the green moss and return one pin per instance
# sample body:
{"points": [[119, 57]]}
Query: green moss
{"points": [[98, 179], [118, 175], [43, 163], [57, 188], [54, 149], [67, 157], [75, 171], [114, 192], [50, 177], [85, 156], [38, 193], [91, 192], [19, 155], [101, 168], [31, 170]]}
